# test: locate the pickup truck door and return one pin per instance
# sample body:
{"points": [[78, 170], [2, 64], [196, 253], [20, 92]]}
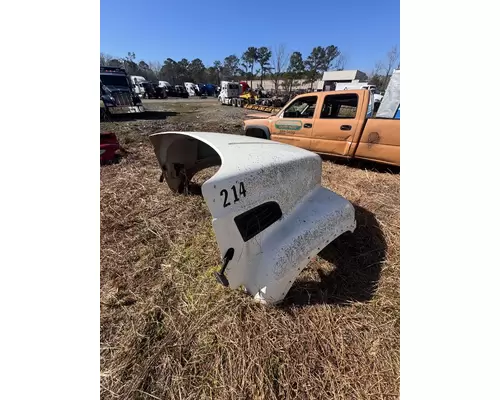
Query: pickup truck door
{"points": [[294, 125], [340, 120]]}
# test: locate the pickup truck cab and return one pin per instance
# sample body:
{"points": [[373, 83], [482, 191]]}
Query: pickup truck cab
{"points": [[338, 123]]}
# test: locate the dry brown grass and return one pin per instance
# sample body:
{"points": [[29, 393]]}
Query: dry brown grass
{"points": [[168, 331]]}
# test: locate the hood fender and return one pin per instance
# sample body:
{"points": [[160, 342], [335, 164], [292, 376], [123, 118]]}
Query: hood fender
{"points": [[270, 212]]}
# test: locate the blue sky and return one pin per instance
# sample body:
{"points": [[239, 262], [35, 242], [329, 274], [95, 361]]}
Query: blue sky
{"points": [[363, 30]]}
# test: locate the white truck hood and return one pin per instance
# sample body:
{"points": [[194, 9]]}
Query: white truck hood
{"points": [[270, 212]]}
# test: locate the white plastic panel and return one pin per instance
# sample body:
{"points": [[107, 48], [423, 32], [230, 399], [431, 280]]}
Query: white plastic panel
{"points": [[392, 97], [254, 176]]}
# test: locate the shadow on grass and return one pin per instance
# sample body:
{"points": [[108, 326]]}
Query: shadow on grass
{"points": [[356, 258], [116, 160], [147, 115], [362, 164]]}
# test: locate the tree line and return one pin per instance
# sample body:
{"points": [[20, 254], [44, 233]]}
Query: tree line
{"points": [[286, 70]]}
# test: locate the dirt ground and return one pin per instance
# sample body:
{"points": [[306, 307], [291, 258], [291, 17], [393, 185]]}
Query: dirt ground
{"points": [[181, 114], [169, 331]]}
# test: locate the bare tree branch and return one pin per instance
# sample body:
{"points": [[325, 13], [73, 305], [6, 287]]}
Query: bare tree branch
{"points": [[155, 66], [105, 59], [279, 63], [340, 62], [383, 69], [392, 61], [379, 68]]}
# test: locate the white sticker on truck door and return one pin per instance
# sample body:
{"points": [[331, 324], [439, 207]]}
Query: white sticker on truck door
{"points": [[288, 126]]}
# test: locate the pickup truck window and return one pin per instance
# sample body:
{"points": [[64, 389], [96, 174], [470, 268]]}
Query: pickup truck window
{"points": [[340, 106], [301, 108]]}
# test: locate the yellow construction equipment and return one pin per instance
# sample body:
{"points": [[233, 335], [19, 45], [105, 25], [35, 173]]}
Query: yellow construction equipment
{"points": [[259, 107]]}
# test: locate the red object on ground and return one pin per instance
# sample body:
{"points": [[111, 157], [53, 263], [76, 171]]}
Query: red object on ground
{"points": [[109, 146]]}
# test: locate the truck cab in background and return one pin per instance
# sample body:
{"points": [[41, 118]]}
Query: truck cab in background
{"points": [[117, 93], [181, 91], [137, 86], [163, 84], [191, 88], [229, 90], [149, 90]]}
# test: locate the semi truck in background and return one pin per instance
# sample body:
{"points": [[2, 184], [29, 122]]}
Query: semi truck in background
{"points": [[236, 94], [229, 92], [137, 85], [164, 84], [191, 88], [117, 94], [207, 89]]}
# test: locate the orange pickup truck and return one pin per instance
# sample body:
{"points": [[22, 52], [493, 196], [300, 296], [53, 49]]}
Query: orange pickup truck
{"points": [[338, 123]]}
